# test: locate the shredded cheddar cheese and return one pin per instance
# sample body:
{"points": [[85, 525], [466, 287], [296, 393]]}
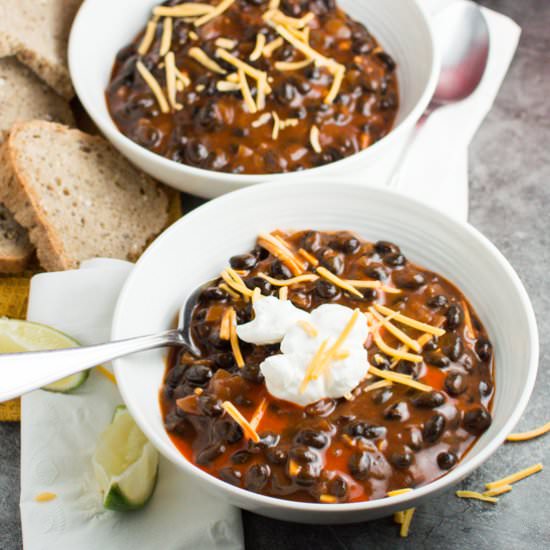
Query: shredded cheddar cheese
{"points": [[229, 291], [236, 283], [312, 260], [313, 366], [293, 468], [308, 327], [276, 126], [525, 436], [281, 252], [477, 496], [225, 324], [377, 385], [45, 497], [292, 65], [413, 323], [148, 37], [339, 73], [198, 55], [497, 491], [398, 492], [171, 80], [151, 81], [277, 16], [407, 518], [256, 294], [247, 94], [107, 373], [272, 46], [187, 9], [258, 48], [306, 278], [388, 350], [193, 35], [468, 320], [397, 332], [218, 10], [328, 499], [334, 279], [198, 391], [283, 293], [239, 64], [513, 478], [225, 43], [314, 135], [234, 340], [166, 39], [225, 86], [398, 378], [259, 414], [248, 430], [264, 118]]}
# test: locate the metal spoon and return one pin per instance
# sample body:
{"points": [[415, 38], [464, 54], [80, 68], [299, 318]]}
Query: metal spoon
{"points": [[462, 36], [27, 371]]}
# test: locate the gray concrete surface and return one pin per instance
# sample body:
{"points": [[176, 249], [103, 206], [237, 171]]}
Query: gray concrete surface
{"points": [[510, 203]]}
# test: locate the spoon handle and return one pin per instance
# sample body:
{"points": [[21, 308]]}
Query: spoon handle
{"points": [[23, 372]]}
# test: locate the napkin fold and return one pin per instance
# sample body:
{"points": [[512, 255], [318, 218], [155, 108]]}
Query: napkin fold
{"points": [[59, 433]]}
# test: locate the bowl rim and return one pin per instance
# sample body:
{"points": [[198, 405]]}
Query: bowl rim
{"points": [[451, 478], [109, 129]]}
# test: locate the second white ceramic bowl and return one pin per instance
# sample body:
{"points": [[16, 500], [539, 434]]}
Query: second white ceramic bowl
{"points": [[198, 247], [103, 27]]}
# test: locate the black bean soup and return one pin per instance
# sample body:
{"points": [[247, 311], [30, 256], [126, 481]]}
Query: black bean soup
{"points": [[255, 87], [379, 438]]}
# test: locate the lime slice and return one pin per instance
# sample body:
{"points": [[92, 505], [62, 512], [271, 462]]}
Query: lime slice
{"points": [[16, 336], [125, 464]]}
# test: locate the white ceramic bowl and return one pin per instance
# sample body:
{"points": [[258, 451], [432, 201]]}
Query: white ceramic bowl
{"points": [[199, 245], [103, 27]]}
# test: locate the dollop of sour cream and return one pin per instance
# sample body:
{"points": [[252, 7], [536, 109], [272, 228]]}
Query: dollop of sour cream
{"points": [[278, 321]]}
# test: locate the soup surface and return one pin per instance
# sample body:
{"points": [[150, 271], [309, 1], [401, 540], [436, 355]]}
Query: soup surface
{"points": [[424, 401], [257, 87]]}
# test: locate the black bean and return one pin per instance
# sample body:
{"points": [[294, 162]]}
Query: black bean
{"points": [[414, 438], [203, 330], [452, 346], [408, 367], [312, 438], [174, 423], [210, 453], [395, 260], [412, 281], [484, 349], [198, 374], [279, 270], [359, 428], [359, 465], [321, 408], [183, 390], [402, 460], [257, 477], [229, 475], [398, 411], [349, 245], [195, 153], [446, 460], [294, 8], [385, 247], [311, 241], [455, 384], [175, 375], [262, 284], [243, 261], [268, 439], [434, 428], [252, 373], [428, 400], [454, 317], [437, 359], [276, 455], [303, 455], [337, 487], [286, 91], [387, 60], [477, 420], [332, 260], [382, 396], [376, 272], [307, 476], [225, 360], [228, 431], [213, 294], [326, 290], [241, 457], [485, 388], [210, 405], [432, 344], [437, 301]]}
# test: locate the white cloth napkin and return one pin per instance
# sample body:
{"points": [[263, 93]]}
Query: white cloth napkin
{"points": [[436, 170], [59, 432], [59, 435]]}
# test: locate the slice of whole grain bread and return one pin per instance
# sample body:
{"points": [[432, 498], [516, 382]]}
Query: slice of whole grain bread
{"points": [[23, 96], [15, 247], [37, 32], [77, 196]]}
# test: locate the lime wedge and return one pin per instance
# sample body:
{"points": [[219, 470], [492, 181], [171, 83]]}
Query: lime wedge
{"points": [[125, 464], [16, 336]]}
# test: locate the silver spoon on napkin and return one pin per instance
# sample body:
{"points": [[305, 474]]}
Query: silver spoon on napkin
{"points": [[462, 36], [27, 371]]}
